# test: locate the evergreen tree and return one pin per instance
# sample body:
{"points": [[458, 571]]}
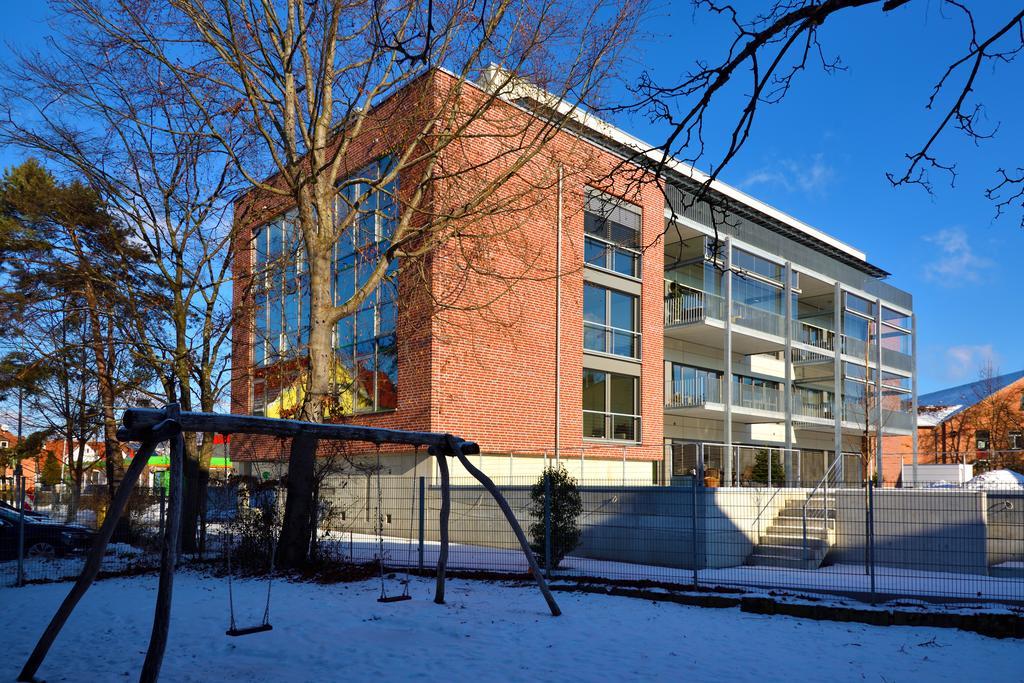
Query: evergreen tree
{"points": [[566, 506], [759, 473]]}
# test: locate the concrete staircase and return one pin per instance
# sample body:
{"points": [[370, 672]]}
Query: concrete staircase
{"points": [[782, 544]]}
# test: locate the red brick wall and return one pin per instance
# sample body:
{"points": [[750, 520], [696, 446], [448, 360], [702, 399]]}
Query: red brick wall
{"points": [[477, 352]]}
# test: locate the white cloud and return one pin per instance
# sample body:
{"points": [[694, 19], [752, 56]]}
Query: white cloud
{"points": [[963, 363], [813, 176], [956, 262]]}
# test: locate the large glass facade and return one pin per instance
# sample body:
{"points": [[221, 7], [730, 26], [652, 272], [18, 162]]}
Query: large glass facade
{"points": [[366, 378]]}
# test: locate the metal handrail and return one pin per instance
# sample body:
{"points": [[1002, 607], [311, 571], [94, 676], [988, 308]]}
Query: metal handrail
{"points": [[760, 512], [824, 505]]}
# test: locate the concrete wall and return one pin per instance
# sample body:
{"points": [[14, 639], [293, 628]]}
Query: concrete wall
{"points": [[636, 524], [1005, 527], [928, 530]]}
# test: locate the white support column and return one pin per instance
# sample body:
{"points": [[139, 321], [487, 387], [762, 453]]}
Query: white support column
{"points": [[787, 396], [878, 391], [727, 374], [837, 388], [913, 390]]}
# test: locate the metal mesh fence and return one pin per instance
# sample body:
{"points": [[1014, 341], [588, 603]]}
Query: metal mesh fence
{"points": [[941, 543]]}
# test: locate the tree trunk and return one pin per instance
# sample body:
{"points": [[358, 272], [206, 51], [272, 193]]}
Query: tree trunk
{"points": [[196, 480], [297, 527]]}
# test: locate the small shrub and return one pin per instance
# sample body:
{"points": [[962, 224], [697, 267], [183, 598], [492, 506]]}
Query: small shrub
{"points": [[252, 534], [566, 506]]}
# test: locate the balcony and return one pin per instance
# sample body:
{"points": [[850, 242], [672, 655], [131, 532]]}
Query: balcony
{"points": [[697, 316], [704, 398], [812, 335]]}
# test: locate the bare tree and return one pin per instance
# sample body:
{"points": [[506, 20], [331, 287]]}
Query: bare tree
{"points": [[312, 82], [773, 45]]}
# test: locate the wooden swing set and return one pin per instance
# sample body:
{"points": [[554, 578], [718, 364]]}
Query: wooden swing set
{"points": [[152, 426]]}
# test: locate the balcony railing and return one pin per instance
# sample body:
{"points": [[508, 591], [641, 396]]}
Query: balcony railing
{"points": [[688, 305], [698, 392], [758, 319], [694, 392], [807, 403], [854, 347], [756, 397], [812, 335]]}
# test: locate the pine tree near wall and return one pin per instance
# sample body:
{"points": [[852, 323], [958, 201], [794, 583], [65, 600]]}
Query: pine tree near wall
{"points": [[759, 473], [566, 507]]}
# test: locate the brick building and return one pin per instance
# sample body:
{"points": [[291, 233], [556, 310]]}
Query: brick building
{"points": [[980, 423], [591, 323]]}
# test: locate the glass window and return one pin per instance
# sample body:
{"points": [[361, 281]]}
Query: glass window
{"points": [[1016, 440], [757, 264], [610, 406], [365, 341], [610, 321], [612, 234], [981, 439]]}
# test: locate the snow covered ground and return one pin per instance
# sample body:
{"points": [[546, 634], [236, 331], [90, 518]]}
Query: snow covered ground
{"points": [[486, 631]]}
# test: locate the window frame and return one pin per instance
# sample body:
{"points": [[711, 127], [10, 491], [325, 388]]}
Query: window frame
{"points": [[609, 415], [609, 247], [608, 330]]}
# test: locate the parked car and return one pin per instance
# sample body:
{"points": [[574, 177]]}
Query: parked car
{"points": [[44, 537]]}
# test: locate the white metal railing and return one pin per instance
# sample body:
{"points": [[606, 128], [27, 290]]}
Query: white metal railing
{"points": [[756, 397], [830, 475], [808, 403], [610, 339], [687, 305], [813, 335], [694, 392]]}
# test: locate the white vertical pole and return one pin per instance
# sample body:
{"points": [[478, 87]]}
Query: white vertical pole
{"points": [[878, 392], [727, 375], [913, 394], [787, 396], [838, 409]]}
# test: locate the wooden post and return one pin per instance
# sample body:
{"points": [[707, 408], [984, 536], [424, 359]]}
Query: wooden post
{"points": [[446, 502], [168, 563], [95, 557], [503, 504]]}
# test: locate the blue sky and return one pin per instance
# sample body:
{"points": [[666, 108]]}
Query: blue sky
{"points": [[822, 156]]}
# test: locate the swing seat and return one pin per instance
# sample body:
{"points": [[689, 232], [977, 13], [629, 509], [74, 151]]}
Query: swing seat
{"points": [[248, 630], [394, 598]]}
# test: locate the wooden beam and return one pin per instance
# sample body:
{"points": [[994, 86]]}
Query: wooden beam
{"points": [[514, 523], [446, 506], [138, 421]]}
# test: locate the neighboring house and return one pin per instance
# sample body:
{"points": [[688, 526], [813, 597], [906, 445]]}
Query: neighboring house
{"points": [[28, 467], [767, 339], [979, 423], [93, 459]]}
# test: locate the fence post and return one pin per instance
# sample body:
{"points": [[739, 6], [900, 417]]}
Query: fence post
{"points": [[547, 524], [693, 530], [423, 497], [871, 537], [19, 477]]}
